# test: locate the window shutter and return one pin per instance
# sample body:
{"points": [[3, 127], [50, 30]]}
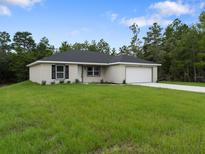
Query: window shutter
{"points": [[53, 72], [67, 72]]}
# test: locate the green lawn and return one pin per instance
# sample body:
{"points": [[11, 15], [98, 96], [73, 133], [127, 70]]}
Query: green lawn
{"points": [[100, 119], [201, 84]]}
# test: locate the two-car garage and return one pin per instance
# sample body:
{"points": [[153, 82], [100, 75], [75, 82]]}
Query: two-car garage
{"points": [[139, 74]]}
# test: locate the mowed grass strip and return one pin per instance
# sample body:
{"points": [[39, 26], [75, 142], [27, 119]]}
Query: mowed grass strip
{"points": [[75, 118]]}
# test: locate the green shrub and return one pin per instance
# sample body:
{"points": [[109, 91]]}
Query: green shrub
{"points": [[53, 82], [124, 82], [43, 83], [102, 81], [68, 82], [77, 81], [61, 82]]}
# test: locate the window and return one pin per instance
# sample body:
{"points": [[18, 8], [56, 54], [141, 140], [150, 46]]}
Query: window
{"points": [[96, 71], [90, 71], [93, 71], [60, 73]]}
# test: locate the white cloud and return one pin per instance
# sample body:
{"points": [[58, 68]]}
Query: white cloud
{"points": [[145, 21], [4, 11], [21, 3], [170, 8], [160, 12], [114, 16], [140, 21], [111, 16], [4, 5]]}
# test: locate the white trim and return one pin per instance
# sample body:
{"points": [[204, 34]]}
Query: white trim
{"points": [[84, 63], [93, 71], [65, 62], [60, 72], [128, 63]]}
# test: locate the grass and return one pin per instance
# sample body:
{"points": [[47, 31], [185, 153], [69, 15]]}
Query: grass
{"points": [[201, 84], [75, 118]]}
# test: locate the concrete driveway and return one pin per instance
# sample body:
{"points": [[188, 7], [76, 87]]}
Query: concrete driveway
{"points": [[173, 86]]}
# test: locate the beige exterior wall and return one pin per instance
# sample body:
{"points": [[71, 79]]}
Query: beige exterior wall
{"points": [[115, 73], [42, 72], [46, 73], [34, 73], [73, 73], [80, 73], [155, 74]]}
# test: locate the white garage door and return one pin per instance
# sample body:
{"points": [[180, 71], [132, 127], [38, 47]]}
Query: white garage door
{"points": [[138, 74]]}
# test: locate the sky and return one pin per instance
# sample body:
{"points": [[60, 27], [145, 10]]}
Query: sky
{"points": [[80, 20]]}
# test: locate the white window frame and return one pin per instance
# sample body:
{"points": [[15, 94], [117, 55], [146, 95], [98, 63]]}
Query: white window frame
{"points": [[93, 71], [60, 72]]}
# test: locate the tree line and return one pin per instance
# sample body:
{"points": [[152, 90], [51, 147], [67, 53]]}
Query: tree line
{"points": [[179, 47]]}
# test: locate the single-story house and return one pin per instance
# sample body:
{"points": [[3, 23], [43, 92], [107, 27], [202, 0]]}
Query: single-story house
{"points": [[87, 66]]}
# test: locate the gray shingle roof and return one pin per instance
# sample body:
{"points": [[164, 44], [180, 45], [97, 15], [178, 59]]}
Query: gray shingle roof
{"points": [[129, 59], [93, 57]]}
